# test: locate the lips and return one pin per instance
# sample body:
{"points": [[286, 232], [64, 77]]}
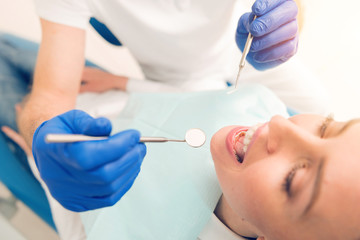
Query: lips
{"points": [[240, 139], [235, 142]]}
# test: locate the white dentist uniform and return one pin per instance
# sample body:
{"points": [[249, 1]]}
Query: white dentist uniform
{"points": [[187, 44]]}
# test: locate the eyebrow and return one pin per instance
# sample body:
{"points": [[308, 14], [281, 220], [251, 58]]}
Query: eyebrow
{"points": [[317, 187]]}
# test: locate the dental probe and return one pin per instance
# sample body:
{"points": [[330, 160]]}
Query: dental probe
{"points": [[194, 137], [243, 59]]}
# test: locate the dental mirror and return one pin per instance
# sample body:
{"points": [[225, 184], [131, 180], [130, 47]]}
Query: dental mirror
{"points": [[195, 137]]}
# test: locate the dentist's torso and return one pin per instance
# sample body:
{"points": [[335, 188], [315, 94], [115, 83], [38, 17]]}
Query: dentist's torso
{"points": [[176, 41], [186, 43]]}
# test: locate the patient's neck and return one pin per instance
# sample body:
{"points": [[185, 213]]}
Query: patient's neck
{"points": [[233, 221]]}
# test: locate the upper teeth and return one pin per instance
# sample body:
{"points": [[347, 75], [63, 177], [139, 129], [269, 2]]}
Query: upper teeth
{"points": [[248, 136]]}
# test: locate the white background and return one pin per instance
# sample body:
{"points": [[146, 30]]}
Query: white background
{"points": [[329, 46]]}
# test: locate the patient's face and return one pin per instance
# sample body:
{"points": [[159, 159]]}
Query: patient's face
{"points": [[297, 179]]}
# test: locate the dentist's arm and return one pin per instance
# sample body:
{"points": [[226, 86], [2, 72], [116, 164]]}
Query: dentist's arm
{"points": [[57, 76], [275, 31], [80, 176]]}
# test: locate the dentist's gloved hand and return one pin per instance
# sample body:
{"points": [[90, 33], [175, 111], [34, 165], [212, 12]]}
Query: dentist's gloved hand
{"points": [[275, 32], [87, 175]]}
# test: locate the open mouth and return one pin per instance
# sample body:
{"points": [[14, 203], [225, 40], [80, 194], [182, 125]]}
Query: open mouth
{"points": [[241, 141]]}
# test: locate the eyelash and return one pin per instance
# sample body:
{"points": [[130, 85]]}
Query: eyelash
{"points": [[286, 186]]}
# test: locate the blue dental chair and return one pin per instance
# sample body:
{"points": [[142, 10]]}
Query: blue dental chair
{"points": [[19, 179]]}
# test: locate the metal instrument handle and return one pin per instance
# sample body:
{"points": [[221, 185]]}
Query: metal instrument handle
{"points": [[69, 138], [159, 139]]}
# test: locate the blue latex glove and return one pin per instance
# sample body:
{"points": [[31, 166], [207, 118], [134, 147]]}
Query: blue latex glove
{"points": [[87, 175], [275, 32]]}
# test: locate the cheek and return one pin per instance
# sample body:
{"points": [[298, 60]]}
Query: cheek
{"points": [[253, 192], [243, 190]]}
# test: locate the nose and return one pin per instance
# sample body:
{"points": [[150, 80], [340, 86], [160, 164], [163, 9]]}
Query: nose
{"points": [[285, 135]]}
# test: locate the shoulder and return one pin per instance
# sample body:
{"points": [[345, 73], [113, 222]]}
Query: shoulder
{"points": [[74, 13]]}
